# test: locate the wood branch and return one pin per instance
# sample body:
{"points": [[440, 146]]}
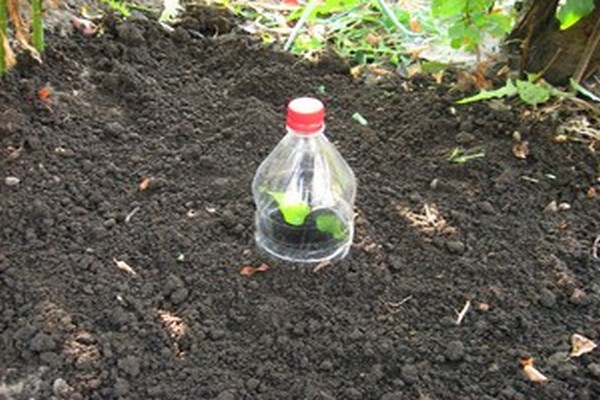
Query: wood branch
{"points": [[590, 48]]}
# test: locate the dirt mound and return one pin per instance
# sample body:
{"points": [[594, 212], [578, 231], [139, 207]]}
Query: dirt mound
{"points": [[190, 118]]}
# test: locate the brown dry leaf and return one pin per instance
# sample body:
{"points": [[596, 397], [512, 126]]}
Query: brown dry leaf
{"points": [[531, 372], [581, 345], [21, 29], [172, 323], [144, 183], [438, 76], [414, 69], [479, 78], [373, 39], [9, 56], [378, 70], [355, 72], [123, 266], [521, 150], [560, 138], [414, 25], [44, 94], [249, 270]]}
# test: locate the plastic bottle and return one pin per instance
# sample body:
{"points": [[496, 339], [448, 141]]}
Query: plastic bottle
{"points": [[304, 192]]}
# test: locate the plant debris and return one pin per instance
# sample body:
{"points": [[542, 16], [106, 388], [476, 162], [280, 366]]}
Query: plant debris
{"points": [[463, 312], [581, 345], [521, 150], [249, 270], [123, 266], [531, 372]]}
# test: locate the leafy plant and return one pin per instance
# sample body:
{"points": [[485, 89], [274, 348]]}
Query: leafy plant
{"points": [[331, 223], [531, 91], [470, 21], [294, 213], [572, 11]]}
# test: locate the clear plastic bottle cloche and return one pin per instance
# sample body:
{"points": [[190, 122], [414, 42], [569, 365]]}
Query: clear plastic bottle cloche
{"points": [[304, 192]]}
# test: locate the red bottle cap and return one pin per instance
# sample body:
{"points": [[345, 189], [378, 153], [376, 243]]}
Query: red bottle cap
{"points": [[306, 115]]}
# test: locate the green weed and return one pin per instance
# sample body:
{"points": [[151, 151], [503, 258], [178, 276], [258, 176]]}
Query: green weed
{"points": [[470, 21], [531, 91], [461, 156]]}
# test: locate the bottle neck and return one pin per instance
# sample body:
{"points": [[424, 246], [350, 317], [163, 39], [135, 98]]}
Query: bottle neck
{"points": [[296, 132]]}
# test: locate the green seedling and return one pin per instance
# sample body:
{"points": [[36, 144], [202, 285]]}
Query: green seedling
{"points": [[460, 156], [294, 213], [330, 223]]}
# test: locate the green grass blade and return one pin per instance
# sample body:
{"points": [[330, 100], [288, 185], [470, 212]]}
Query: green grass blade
{"points": [[576, 86], [300, 24], [37, 23]]}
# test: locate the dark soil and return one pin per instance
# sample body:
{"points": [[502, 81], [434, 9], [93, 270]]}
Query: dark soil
{"points": [[192, 118]]}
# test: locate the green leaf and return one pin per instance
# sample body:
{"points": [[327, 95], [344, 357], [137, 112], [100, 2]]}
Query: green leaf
{"points": [[294, 213], [448, 8], [433, 67], [498, 24], [507, 90], [532, 93], [572, 11], [331, 223]]}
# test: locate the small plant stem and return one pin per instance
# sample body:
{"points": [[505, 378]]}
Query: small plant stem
{"points": [[37, 25], [3, 33], [300, 24]]}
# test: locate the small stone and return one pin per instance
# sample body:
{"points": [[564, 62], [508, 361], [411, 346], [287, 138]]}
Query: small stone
{"points": [[130, 365], [130, 35], [415, 197], [109, 223], [216, 334], [352, 394], [594, 370], [326, 366], [409, 373], [393, 396], [579, 297], [487, 208], [42, 342], [179, 295], [557, 359], [252, 384], [465, 138], [455, 351], [226, 395], [547, 298], [121, 387], [11, 181], [455, 246], [61, 388]]}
